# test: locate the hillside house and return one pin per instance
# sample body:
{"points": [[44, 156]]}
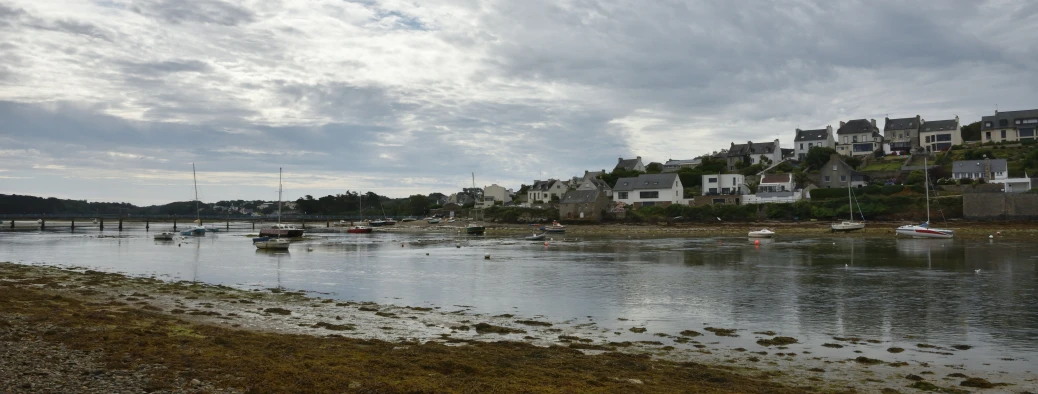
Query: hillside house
{"points": [[807, 139], [858, 137], [902, 133], [724, 184], [1009, 126], [634, 164], [591, 181], [775, 183], [543, 192], [584, 205], [675, 165], [494, 193], [987, 169], [837, 173], [940, 135], [649, 189], [754, 153]]}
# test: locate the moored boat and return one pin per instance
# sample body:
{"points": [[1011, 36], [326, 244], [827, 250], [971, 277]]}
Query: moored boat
{"points": [[272, 243], [924, 230], [475, 229], [281, 230], [359, 230], [165, 236], [555, 228], [762, 233], [535, 237], [408, 219], [849, 225], [433, 220]]}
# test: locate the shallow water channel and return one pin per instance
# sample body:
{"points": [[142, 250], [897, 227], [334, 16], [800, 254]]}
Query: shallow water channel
{"points": [[895, 292]]}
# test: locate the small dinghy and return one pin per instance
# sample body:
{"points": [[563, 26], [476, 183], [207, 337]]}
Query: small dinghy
{"points": [[762, 233], [535, 237], [165, 236]]}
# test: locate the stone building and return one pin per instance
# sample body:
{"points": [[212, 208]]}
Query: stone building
{"points": [[587, 205]]}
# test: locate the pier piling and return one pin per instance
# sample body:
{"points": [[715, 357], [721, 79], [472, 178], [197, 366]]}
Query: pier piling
{"points": [[101, 225], [174, 224], [120, 224], [73, 227]]}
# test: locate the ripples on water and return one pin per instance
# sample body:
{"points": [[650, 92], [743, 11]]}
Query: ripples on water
{"points": [[901, 291]]}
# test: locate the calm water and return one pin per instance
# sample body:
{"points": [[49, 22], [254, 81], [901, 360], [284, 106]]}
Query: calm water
{"points": [[899, 291]]}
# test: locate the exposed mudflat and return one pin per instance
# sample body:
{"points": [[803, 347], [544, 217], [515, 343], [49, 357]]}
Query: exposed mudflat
{"points": [[185, 337]]}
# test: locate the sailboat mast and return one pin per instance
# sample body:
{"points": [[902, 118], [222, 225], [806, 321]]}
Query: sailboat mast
{"points": [[926, 184], [850, 204], [279, 195], [195, 179]]}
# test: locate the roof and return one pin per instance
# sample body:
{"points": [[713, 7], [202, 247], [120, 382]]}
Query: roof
{"points": [[941, 125], [856, 126], [628, 164], [901, 123], [542, 185], [971, 166], [593, 174], [811, 135], [580, 196], [695, 161], [751, 148], [1009, 117], [777, 178], [646, 181]]}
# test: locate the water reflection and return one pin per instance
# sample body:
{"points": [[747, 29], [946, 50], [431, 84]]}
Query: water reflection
{"points": [[810, 288]]}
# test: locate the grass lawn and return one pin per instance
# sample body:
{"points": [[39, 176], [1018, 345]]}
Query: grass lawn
{"points": [[884, 165]]}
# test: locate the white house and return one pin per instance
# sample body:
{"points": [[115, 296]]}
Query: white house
{"points": [[987, 169], [649, 189], [542, 191], [675, 165], [775, 183], [591, 181], [940, 135], [807, 139], [714, 184], [494, 193]]}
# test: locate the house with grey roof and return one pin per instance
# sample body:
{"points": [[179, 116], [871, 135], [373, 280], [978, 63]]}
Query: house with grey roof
{"points": [[858, 137], [987, 169], [542, 192], [675, 165], [634, 164], [592, 181], [649, 189], [754, 153], [940, 135], [589, 205], [807, 139], [1009, 126], [836, 173], [902, 133]]}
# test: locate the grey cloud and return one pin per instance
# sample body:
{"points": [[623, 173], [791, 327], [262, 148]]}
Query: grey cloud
{"points": [[166, 67], [10, 16], [202, 11], [340, 101]]}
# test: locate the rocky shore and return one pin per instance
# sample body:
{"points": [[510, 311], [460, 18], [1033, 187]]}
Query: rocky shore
{"points": [[75, 330]]}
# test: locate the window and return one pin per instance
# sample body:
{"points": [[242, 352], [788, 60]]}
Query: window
{"points": [[712, 190], [1027, 132], [649, 194], [621, 195], [834, 167], [711, 180], [843, 178], [987, 124], [987, 135], [1003, 134], [801, 146], [1029, 121], [827, 178], [942, 137], [733, 181], [1003, 123], [845, 139], [855, 138]]}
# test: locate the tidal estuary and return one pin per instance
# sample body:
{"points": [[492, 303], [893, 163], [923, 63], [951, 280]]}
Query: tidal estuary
{"points": [[960, 304]]}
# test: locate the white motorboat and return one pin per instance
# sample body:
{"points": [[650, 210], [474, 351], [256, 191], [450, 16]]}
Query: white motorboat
{"points": [[165, 236], [924, 230], [762, 233], [272, 243]]}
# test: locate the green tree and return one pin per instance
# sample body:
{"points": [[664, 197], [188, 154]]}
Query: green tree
{"points": [[800, 178], [817, 156], [418, 204], [852, 161], [971, 132], [654, 168]]}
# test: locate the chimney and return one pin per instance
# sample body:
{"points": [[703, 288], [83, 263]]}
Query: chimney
{"points": [[842, 123], [639, 158], [873, 122], [619, 160]]}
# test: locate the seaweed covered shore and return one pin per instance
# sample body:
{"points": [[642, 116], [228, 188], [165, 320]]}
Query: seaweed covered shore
{"points": [[78, 330]]}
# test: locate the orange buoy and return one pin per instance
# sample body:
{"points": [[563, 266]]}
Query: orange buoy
{"points": [[756, 242]]}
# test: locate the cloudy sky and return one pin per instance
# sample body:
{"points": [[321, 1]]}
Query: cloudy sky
{"points": [[112, 100]]}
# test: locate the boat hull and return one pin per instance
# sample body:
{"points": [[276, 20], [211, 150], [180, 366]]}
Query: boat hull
{"points": [[847, 226], [196, 232], [281, 232], [475, 230], [360, 230], [924, 232], [536, 237], [272, 244], [760, 234], [164, 236]]}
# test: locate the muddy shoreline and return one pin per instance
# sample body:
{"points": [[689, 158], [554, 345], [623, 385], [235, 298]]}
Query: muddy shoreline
{"points": [[64, 306]]}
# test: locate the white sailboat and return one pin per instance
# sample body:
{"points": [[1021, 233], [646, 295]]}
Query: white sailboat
{"points": [[924, 230], [198, 230], [278, 230], [848, 225]]}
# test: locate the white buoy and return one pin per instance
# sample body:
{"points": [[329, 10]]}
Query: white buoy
{"points": [[309, 249], [486, 256], [991, 236], [976, 271]]}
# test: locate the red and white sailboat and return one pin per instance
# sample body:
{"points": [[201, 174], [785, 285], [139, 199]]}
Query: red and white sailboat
{"points": [[924, 230]]}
